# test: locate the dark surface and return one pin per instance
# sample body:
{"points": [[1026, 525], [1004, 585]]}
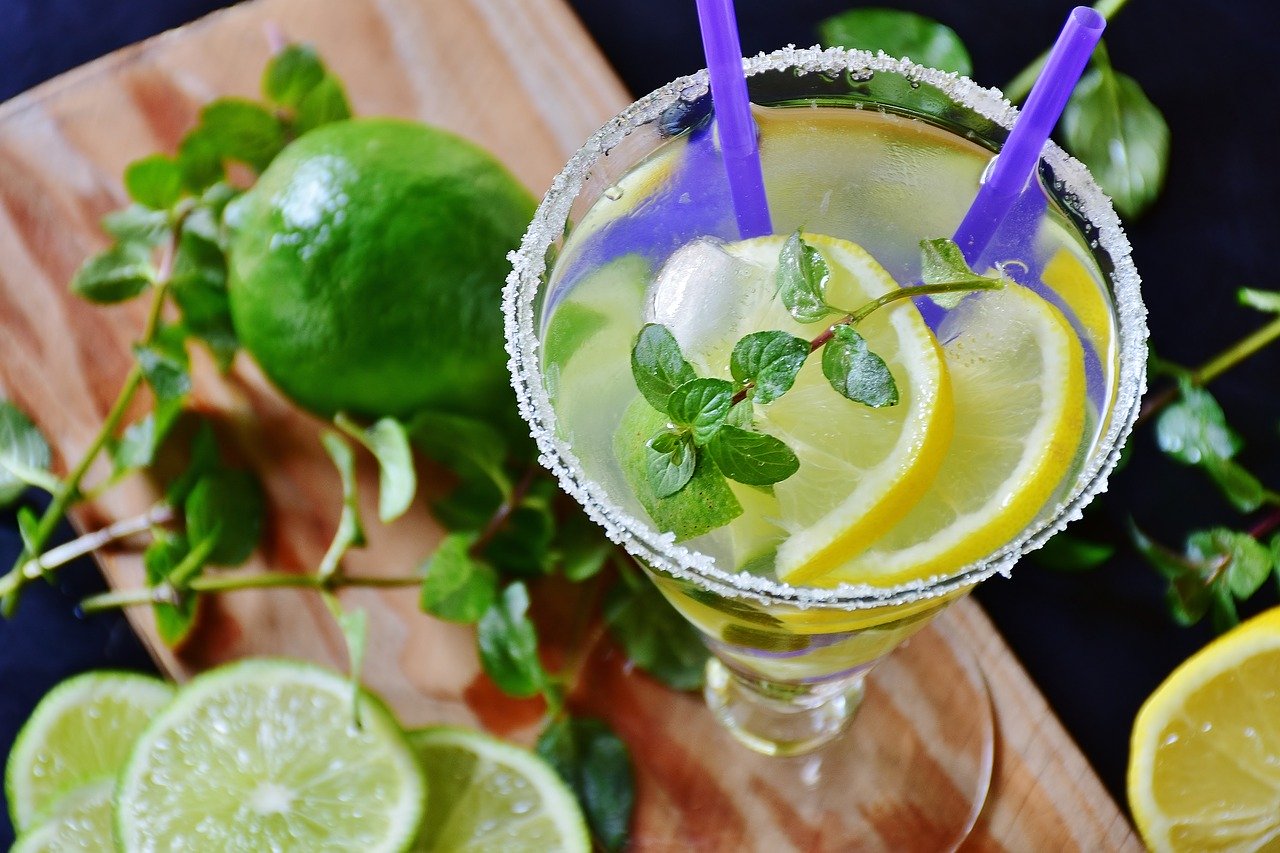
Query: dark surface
{"points": [[1098, 643]]}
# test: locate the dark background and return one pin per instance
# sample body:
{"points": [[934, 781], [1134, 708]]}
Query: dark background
{"points": [[1096, 643]]}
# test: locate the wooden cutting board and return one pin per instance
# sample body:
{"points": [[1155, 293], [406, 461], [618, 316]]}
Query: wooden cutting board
{"points": [[522, 78]]}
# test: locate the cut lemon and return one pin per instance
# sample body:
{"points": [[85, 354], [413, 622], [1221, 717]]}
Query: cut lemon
{"points": [[1204, 764], [487, 795], [1017, 373], [266, 755], [861, 468], [80, 732], [80, 821]]}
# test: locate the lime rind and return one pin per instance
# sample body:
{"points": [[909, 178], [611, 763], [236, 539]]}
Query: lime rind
{"points": [[191, 784], [81, 820], [516, 824], [85, 714]]}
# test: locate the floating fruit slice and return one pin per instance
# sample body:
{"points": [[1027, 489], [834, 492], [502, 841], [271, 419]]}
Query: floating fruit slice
{"points": [[1204, 764]]}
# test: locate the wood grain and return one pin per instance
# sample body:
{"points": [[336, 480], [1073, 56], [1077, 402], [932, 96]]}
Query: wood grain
{"points": [[522, 78]]}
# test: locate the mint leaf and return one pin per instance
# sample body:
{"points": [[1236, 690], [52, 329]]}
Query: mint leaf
{"points": [[228, 505], [1262, 300], [802, 280], [154, 181], [655, 637], [24, 455], [855, 371], [769, 359], [203, 458], [388, 441], [174, 622], [462, 444], [165, 366], [1188, 599], [137, 224], [582, 546], [199, 286], [1239, 486], [658, 366], [200, 160], [899, 34], [349, 533], [522, 546], [742, 415], [670, 458], [141, 440], [325, 103], [508, 644], [701, 405], [1223, 609], [595, 764], [1164, 560], [1194, 429], [291, 74], [1113, 127], [942, 262], [455, 585], [242, 130], [1248, 561], [753, 458], [1068, 553], [117, 274]]}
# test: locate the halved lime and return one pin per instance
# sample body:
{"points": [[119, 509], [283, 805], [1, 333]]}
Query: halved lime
{"points": [[80, 732], [487, 795], [266, 755], [80, 821]]}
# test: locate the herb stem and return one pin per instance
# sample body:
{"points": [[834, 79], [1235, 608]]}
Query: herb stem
{"points": [[160, 513], [503, 512], [1269, 523], [1020, 86]]}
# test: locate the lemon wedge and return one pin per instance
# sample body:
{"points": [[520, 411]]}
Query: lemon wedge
{"points": [[1017, 374], [1204, 766]]}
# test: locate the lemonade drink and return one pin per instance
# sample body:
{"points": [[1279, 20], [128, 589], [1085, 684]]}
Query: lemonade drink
{"points": [[802, 587]]}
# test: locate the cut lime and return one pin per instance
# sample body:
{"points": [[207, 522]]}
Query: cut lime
{"points": [[80, 732], [490, 795], [265, 755], [81, 821]]}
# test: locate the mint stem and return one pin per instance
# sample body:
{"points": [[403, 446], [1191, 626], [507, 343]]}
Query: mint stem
{"points": [[503, 512], [160, 513]]}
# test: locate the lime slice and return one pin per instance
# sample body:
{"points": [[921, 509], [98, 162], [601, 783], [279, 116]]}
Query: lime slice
{"points": [[1017, 371], [80, 732], [487, 795], [265, 755], [80, 821]]}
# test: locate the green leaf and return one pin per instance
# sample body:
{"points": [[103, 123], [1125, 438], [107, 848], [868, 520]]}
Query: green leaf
{"points": [[1195, 429], [1117, 132], [141, 440], [291, 74], [325, 103], [742, 415], [1188, 599], [769, 359], [154, 181], [456, 586], [522, 546], [388, 441], [1248, 561], [349, 533], [462, 444], [1164, 560], [1067, 553], [200, 159], [199, 286], [242, 130], [704, 504], [1262, 300], [1240, 487], [855, 371], [670, 458], [753, 458], [655, 637], [228, 505], [468, 506], [174, 622], [27, 524], [203, 459], [802, 280], [117, 274], [581, 545], [942, 262], [137, 224], [899, 34], [1223, 609], [595, 764], [658, 366], [165, 366], [24, 455], [701, 405], [354, 625], [509, 644]]}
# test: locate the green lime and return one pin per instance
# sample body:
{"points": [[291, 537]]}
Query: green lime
{"points": [[265, 755], [487, 795], [366, 270], [80, 821], [80, 732]]}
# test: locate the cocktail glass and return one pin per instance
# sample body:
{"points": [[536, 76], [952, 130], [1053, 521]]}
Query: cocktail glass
{"points": [[789, 662]]}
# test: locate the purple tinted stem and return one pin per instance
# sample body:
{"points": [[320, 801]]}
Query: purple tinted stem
{"points": [[1021, 152], [737, 129]]}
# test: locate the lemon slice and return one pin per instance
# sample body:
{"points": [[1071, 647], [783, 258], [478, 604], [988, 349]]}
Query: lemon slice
{"points": [[1017, 372], [1204, 765], [861, 469]]}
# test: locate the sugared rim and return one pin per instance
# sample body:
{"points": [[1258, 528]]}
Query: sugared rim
{"points": [[660, 550]]}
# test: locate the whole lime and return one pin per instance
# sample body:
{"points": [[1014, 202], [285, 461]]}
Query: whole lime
{"points": [[366, 267]]}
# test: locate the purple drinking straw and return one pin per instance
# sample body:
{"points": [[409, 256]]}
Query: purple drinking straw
{"points": [[1021, 152], [737, 129]]}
